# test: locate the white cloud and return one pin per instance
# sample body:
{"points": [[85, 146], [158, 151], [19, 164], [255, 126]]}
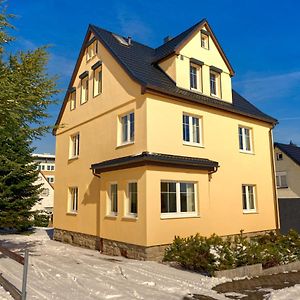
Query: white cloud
{"points": [[261, 87]]}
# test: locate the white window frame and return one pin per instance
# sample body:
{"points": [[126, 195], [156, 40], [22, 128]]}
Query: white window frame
{"points": [[192, 130], [128, 204], [97, 82], [73, 100], [180, 214], [204, 37], [74, 146], [50, 178], [217, 84], [279, 180], [279, 156], [110, 199], [73, 200], [244, 143], [129, 140], [198, 77], [248, 210], [84, 90], [91, 51]]}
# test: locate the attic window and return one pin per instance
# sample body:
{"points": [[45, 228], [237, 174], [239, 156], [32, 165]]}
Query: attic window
{"points": [[91, 49], [204, 39], [279, 156], [121, 40]]}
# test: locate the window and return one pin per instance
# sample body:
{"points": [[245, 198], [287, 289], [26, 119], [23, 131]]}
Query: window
{"points": [[45, 192], [50, 179], [281, 180], [248, 198], [195, 77], [215, 84], [132, 198], [73, 199], [52, 167], [279, 156], [204, 41], [42, 167], [73, 100], [91, 50], [127, 128], [191, 129], [84, 90], [97, 81], [48, 167], [245, 139], [74, 146], [178, 198], [113, 210]]}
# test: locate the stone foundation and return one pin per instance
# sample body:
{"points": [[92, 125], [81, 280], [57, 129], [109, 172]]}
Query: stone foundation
{"points": [[110, 247]]}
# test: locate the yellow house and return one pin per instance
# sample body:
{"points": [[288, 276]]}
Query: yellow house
{"points": [[153, 142]]}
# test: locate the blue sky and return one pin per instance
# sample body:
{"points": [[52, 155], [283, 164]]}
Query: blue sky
{"points": [[260, 38]]}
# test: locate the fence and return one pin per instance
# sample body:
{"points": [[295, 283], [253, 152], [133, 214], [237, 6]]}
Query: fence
{"points": [[8, 286]]}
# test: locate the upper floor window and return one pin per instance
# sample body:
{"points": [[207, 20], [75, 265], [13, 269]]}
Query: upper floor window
{"points": [[249, 204], [74, 146], [132, 198], [281, 180], [245, 139], [73, 199], [204, 40], [113, 197], [91, 50], [84, 96], [279, 156], [215, 84], [191, 126], [50, 179], [73, 100], [127, 128], [178, 198], [195, 77], [97, 81]]}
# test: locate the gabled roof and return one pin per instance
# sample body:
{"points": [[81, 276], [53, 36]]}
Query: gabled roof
{"points": [[291, 150], [138, 61], [151, 158]]}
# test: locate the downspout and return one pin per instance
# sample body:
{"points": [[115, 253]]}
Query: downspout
{"points": [[212, 172], [277, 222], [95, 174]]}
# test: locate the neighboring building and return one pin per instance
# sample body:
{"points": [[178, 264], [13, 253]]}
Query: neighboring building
{"points": [[46, 165], [287, 161], [154, 143], [46, 196]]}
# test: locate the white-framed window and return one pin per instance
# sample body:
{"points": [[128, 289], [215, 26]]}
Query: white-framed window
{"points": [[42, 167], [178, 199], [204, 41], [91, 50], [50, 179], [279, 156], [113, 199], [215, 84], [97, 81], [84, 95], [48, 168], [132, 198], [195, 77], [248, 194], [245, 139], [191, 126], [281, 180], [73, 199], [52, 167], [127, 128], [73, 100], [74, 145]]}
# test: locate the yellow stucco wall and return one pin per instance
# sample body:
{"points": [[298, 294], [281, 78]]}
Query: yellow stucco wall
{"points": [[293, 176]]}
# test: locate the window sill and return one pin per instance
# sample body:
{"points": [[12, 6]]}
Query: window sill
{"points": [[73, 158], [249, 212], [193, 144], [82, 103], [246, 152], [196, 91], [282, 187], [94, 96], [110, 217], [215, 97], [72, 213], [124, 145], [178, 216], [130, 218]]}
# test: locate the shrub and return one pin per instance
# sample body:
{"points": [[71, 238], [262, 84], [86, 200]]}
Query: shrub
{"points": [[207, 255], [41, 219]]}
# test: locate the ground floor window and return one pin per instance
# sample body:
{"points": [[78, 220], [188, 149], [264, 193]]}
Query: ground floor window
{"points": [[178, 198], [248, 198], [113, 195], [132, 198], [73, 199]]}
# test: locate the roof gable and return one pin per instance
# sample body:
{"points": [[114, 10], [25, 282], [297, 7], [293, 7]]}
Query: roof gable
{"points": [[291, 150]]}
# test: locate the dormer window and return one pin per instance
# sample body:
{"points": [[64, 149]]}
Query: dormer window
{"points": [[204, 39], [215, 82]]}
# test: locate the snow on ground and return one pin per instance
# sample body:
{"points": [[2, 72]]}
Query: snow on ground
{"points": [[61, 271], [290, 293]]}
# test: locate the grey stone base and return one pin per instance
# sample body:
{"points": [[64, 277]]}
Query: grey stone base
{"points": [[77, 238], [110, 247]]}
